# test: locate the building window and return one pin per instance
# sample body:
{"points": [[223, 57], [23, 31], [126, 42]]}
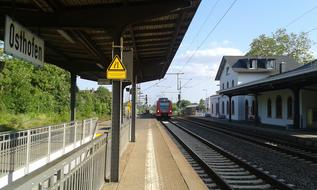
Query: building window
{"points": [[232, 107], [289, 107], [227, 84], [270, 64], [253, 108], [227, 71], [212, 108], [223, 86], [279, 107], [232, 83], [252, 64], [228, 107], [223, 107], [269, 108]]}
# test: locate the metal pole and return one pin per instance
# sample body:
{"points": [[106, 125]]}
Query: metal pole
{"points": [[115, 118], [73, 97], [132, 129]]}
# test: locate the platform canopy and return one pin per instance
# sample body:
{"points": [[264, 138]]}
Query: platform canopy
{"points": [[78, 34]]}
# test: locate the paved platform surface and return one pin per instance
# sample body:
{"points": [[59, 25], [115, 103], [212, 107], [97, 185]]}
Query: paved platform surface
{"points": [[154, 162], [303, 136]]}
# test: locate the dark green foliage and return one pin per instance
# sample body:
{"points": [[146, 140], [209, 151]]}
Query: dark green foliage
{"points": [[31, 93], [201, 105], [281, 43]]}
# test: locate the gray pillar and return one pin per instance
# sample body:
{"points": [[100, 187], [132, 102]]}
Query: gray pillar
{"points": [[229, 107], [115, 120], [256, 109], [73, 97], [132, 129], [296, 114]]}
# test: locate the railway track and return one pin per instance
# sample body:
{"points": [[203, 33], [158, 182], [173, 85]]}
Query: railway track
{"points": [[296, 151], [225, 170]]}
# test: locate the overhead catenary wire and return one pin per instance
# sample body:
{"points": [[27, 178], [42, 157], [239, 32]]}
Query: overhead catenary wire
{"points": [[300, 16], [202, 25], [210, 32]]}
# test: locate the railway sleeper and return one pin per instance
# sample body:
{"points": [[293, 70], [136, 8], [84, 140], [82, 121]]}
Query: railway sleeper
{"points": [[264, 186], [255, 181]]}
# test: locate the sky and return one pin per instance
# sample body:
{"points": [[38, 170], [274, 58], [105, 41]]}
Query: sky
{"points": [[202, 48]]}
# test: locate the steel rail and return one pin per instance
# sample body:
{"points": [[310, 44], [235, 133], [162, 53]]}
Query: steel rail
{"points": [[278, 146], [270, 180]]}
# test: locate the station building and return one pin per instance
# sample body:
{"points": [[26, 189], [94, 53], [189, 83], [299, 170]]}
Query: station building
{"points": [[268, 90]]}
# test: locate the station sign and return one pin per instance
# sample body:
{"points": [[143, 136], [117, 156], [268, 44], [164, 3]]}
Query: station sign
{"points": [[22, 43], [116, 70], [104, 82]]}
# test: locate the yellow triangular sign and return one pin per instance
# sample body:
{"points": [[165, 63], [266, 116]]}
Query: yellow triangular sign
{"points": [[116, 69]]}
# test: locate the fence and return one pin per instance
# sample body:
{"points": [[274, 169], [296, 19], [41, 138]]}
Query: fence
{"points": [[81, 169], [24, 151]]}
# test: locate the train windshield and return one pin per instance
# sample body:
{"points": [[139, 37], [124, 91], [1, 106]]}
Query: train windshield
{"points": [[164, 106]]}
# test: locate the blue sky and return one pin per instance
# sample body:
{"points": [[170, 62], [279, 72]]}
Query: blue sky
{"points": [[246, 20]]}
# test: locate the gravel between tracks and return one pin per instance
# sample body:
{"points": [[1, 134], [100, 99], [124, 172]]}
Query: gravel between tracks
{"points": [[300, 173]]}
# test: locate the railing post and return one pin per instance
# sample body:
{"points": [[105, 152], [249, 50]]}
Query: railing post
{"points": [[83, 138], [64, 137], [49, 140], [28, 146], [91, 129], [75, 133]]}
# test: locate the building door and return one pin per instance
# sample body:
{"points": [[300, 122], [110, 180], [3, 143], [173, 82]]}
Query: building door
{"points": [[246, 110]]}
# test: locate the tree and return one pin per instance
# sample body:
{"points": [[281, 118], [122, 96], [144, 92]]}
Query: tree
{"points": [[183, 103], [201, 105], [282, 43]]}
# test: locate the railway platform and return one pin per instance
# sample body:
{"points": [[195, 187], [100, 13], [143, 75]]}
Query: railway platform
{"points": [[154, 162], [307, 137]]}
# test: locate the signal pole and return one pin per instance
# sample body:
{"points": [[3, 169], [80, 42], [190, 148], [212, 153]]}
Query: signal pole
{"points": [[179, 84]]}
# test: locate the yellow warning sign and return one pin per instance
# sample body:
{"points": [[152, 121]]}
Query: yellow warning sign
{"points": [[116, 69]]}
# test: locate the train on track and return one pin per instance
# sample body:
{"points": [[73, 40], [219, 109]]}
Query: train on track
{"points": [[163, 108]]}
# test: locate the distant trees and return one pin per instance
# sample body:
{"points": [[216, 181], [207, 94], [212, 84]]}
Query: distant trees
{"points": [[201, 105], [28, 90], [282, 43]]}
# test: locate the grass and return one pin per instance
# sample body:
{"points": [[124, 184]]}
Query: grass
{"points": [[11, 122]]}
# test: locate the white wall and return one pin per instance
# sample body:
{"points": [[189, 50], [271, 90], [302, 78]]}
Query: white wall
{"points": [[224, 78], [250, 77], [262, 106]]}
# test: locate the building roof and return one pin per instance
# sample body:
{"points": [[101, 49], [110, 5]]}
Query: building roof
{"points": [[78, 34], [296, 78], [238, 64]]}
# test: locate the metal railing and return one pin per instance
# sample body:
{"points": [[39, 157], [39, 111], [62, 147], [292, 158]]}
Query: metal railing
{"points": [[81, 169], [24, 151]]}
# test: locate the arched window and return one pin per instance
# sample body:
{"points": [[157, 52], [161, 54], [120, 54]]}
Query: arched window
{"points": [[228, 107], [269, 108], [223, 107], [289, 107], [232, 107], [212, 108], [232, 83], [227, 84], [253, 108], [279, 107]]}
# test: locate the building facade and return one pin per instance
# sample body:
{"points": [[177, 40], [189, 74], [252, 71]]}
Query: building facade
{"points": [[279, 104]]}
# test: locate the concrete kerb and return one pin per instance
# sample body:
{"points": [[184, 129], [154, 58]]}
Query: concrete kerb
{"points": [[191, 178]]}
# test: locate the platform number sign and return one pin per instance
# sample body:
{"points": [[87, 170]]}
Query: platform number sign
{"points": [[116, 70]]}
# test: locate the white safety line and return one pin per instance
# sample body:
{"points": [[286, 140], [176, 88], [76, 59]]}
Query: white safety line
{"points": [[151, 175]]}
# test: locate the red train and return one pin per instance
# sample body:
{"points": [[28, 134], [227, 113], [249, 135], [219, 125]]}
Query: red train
{"points": [[163, 108]]}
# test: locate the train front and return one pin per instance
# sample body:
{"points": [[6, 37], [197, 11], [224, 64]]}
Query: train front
{"points": [[164, 108]]}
